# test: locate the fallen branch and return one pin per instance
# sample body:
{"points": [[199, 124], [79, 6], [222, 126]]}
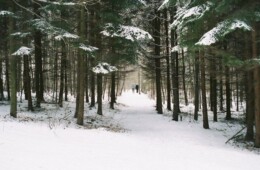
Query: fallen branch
{"points": [[236, 135]]}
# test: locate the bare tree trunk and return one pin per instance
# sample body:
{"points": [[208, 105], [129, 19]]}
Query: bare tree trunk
{"points": [[168, 76], [228, 93], [250, 101], [99, 94], [256, 87], [203, 92], [197, 86], [157, 41], [213, 87], [27, 79], [81, 75], [113, 90], [13, 71], [183, 79], [62, 72]]}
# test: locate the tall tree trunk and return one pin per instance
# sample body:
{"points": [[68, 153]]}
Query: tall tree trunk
{"points": [[203, 92], [92, 84], [250, 101], [1, 80], [221, 108], [168, 78], [228, 93], [87, 79], [13, 69], [256, 87], [80, 115], [113, 90], [92, 75], [197, 86], [183, 78], [38, 60], [6, 54], [62, 72], [157, 41], [27, 85], [213, 87], [99, 94], [175, 79], [66, 78]]}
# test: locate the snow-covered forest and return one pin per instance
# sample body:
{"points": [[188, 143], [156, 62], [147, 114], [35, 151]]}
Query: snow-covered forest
{"points": [[129, 84]]}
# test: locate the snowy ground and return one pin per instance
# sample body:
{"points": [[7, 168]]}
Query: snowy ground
{"points": [[131, 137]]}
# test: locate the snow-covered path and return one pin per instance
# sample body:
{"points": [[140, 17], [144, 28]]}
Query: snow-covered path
{"points": [[151, 142]]}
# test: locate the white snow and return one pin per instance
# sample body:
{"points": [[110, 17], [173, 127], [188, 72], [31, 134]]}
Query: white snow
{"points": [[104, 68], [21, 34], [88, 48], [23, 51], [6, 13], [150, 141], [222, 29], [143, 2], [128, 32], [59, 3], [164, 5], [66, 35], [185, 14], [176, 48]]}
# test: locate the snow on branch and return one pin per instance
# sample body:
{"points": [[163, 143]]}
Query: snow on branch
{"points": [[21, 34], [6, 13], [88, 48], [185, 15], [59, 3], [104, 68], [143, 2], [66, 35], [164, 5], [176, 48], [45, 27], [128, 32], [23, 51], [222, 29]]}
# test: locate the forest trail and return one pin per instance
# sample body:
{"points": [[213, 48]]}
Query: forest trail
{"points": [[151, 142], [140, 117]]}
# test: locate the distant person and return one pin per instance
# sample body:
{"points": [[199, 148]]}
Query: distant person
{"points": [[137, 88], [133, 88]]}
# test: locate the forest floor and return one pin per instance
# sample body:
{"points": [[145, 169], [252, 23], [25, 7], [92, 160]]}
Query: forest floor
{"points": [[131, 137]]}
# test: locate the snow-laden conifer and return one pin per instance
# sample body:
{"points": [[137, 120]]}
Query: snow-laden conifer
{"points": [[104, 68], [23, 51], [128, 32]]}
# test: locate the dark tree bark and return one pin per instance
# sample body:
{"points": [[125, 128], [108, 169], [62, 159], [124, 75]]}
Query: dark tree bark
{"points": [[249, 89], [228, 93], [113, 90], [81, 75], [38, 61], [99, 94], [6, 56], [213, 88], [92, 75], [197, 86], [27, 85], [168, 78], [221, 108], [62, 72], [87, 79], [157, 50], [13, 67], [256, 86], [183, 78], [203, 92]]}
